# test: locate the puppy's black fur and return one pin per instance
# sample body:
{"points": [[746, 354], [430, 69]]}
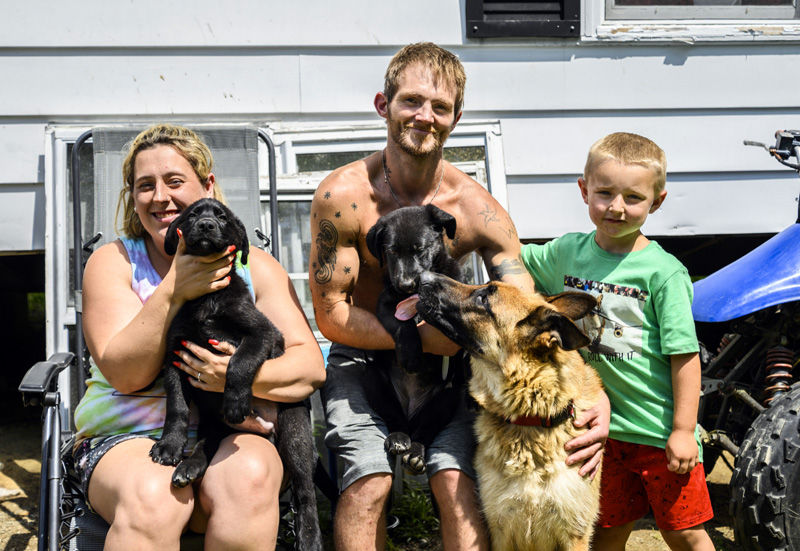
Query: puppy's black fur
{"points": [[413, 394], [229, 315]]}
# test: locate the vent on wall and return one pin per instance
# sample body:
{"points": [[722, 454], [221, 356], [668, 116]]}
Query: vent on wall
{"points": [[522, 18]]}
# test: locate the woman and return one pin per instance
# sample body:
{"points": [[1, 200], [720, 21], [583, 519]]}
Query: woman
{"points": [[131, 292]]}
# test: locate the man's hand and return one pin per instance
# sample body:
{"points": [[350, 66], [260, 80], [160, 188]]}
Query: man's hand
{"points": [[434, 341], [589, 446]]}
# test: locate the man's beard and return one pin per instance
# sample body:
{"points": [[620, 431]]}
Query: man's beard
{"points": [[431, 145]]}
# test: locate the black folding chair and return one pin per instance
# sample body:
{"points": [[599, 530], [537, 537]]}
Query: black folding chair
{"points": [[65, 521]]}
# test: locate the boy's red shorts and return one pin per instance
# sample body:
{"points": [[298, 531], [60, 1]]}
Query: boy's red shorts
{"points": [[635, 478]]}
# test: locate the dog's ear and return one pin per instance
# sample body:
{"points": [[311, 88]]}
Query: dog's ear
{"points": [[573, 304], [171, 239], [442, 220], [243, 242], [375, 242], [549, 328]]}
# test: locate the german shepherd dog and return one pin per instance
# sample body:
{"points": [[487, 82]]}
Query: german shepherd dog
{"points": [[416, 394], [530, 383], [230, 315]]}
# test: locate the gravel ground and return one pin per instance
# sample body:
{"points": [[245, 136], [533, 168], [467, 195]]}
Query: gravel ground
{"points": [[19, 509]]}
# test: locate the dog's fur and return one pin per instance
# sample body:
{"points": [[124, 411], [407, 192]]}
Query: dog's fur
{"points": [[525, 364], [410, 390], [229, 315]]}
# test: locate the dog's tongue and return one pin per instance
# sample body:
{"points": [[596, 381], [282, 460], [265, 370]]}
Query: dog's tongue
{"points": [[407, 309]]}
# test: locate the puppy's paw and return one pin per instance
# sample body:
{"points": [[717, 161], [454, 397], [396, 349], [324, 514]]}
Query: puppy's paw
{"points": [[235, 410], [397, 443], [188, 471], [167, 452], [414, 460]]}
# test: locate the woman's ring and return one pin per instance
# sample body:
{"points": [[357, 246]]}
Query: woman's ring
{"points": [[199, 380]]}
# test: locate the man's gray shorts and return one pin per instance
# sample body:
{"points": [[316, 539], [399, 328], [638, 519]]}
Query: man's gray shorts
{"points": [[356, 433]]}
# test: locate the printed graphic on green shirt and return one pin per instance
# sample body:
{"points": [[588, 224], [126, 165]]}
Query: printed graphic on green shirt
{"points": [[616, 325]]}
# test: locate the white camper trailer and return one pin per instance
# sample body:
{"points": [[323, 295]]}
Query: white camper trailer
{"points": [[545, 80]]}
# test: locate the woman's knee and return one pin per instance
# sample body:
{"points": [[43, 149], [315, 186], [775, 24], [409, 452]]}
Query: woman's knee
{"points": [[244, 470], [157, 502], [126, 488]]}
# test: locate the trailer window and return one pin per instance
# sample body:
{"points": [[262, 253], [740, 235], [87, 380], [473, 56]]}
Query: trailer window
{"points": [[295, 192], [701, 9]]}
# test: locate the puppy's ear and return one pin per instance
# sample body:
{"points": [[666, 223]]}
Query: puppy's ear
{"points": [[375, 242], [552, 328], [573, 304], [171, 239], [442, 220], [243, 243]]}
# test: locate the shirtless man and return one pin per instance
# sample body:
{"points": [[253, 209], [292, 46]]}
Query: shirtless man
{"points": [[421, 102]]}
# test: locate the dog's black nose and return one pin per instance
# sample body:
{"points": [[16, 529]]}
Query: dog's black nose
{"points": [[407, 285], [206, 225], [426, 278]]}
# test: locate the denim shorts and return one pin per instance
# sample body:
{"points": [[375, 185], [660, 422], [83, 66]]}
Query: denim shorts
{"points": [[356, 433]]}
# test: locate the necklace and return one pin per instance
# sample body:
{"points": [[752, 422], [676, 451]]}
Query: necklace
{"points": [[386, 179]]}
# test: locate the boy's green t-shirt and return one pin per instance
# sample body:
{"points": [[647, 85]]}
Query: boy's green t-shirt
{"points": [[644, 317]]}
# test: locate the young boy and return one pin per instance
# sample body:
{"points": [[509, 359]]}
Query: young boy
{"points": [[643, 346]]}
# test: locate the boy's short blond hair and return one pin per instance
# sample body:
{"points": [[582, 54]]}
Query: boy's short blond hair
{"points": [[628, 149], [444, 64]]}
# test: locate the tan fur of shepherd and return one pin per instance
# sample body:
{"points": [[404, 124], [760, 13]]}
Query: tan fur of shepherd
{"points": [[532, 500]]}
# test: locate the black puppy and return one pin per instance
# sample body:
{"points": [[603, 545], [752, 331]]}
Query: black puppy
{"points": [[230, 315], [416, 394]]}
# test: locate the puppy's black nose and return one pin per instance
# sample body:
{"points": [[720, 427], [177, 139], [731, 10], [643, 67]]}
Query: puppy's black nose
{"points": [[206, 225], [407, 285]]}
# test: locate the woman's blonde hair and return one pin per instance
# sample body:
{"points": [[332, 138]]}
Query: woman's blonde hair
{"points": [[445, 65], [629, 149], [186, 142]]}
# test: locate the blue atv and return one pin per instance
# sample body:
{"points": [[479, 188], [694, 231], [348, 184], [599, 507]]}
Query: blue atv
{"points": [[750, 404]]}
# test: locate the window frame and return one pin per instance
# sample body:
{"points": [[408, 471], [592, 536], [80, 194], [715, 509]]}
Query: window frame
{"points": [[596, 27], [293, 185], [701, 12]]}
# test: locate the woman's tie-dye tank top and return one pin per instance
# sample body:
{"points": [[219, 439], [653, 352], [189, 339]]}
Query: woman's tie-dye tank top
{"points": [[104, 411]]}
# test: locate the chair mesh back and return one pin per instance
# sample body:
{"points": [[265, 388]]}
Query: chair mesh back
{"points": [[235, 152]]}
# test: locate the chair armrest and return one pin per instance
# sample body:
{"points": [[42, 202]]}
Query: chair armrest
{"points": [[42, 377]]}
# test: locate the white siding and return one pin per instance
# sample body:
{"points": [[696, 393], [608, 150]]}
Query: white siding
{"points": [[318, 62]]}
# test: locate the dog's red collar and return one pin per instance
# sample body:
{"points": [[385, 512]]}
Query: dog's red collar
{"points": [[536, 421]]}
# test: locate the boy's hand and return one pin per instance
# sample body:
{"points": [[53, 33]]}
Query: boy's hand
{"points": [[682, 452]]}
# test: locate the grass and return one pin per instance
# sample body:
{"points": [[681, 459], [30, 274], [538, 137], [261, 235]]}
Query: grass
{"points": [[418, 523]]}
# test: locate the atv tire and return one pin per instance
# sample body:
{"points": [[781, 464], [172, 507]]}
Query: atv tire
{"points": [[765, 486]]}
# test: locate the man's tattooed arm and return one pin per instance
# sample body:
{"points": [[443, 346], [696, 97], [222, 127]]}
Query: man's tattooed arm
{"points": [[327, 242], [507, 267]]}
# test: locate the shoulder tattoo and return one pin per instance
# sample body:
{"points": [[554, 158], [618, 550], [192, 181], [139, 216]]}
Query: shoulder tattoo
{"points": [[490, 215], [507, 267], [327, 239]]}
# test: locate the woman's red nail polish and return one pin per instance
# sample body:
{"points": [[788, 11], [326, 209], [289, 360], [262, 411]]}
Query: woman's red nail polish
{"points": [[180, 233], [176, 364], [184, 343], [213, 342], [231, 248]]}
